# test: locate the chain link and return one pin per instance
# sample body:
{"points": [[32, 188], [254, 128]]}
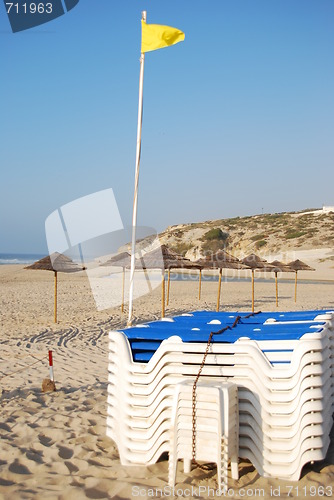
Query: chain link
{"points": [[207, 467], [203, 467]]}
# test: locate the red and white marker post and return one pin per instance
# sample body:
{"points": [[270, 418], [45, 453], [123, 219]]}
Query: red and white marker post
{"points": [[51, 366]]}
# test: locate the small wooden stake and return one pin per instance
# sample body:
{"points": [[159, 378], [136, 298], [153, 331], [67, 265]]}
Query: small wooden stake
{"points": [[52, 378]]}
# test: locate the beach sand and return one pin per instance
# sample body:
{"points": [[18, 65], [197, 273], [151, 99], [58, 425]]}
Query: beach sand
{"points": [[54, 445]]}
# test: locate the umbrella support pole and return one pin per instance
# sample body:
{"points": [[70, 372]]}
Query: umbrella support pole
{"points": [[163, 295], [296, 287], [168, 284], [252, 290], [276, 283], [199, 284], [55, 302], [219, 289], [123, 284]]}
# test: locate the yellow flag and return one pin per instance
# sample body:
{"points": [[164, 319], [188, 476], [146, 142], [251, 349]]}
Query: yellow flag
{"points": [[157, 36]]}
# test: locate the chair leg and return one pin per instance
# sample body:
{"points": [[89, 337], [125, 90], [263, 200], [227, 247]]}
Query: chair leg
{"points": [[186, 465], [219, 474], [234, 466], [172, 470], [225, 454]]}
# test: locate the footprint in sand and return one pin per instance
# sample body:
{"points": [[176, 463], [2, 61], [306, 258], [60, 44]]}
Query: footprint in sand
{"points": [[5, 427], [71, 467], [95, 493], [64, 452], [35, 456], [6, 482], [18, 468], [44, 440]]}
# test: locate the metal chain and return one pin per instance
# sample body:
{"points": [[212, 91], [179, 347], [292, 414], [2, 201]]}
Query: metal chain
{"points": [[207, 467], [203, 467]]}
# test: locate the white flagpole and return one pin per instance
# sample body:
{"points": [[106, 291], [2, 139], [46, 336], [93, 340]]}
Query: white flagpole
{"points": [[135, 196]]}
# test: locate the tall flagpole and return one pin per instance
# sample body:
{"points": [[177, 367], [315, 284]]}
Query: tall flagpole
{"points": [[135, 196]]}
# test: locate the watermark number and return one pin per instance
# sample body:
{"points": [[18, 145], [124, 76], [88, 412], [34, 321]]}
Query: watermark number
{"points": [[33, 8]]}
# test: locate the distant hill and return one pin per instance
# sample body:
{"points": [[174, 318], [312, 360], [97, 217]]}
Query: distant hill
{"points": [[266, 234], [307, 235]]}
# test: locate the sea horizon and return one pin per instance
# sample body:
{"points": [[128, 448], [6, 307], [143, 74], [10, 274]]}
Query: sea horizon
{"points": [[7, 258]]}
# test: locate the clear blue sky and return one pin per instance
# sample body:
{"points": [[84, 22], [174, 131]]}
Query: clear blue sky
{"points": [[237, 118]]}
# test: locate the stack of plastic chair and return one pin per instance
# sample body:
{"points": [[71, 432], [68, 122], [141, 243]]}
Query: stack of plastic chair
{"points": [[217, 428], [283, 368]]}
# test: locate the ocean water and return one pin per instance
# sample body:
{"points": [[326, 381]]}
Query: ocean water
{"points": [[19, 258], [177, 276]]}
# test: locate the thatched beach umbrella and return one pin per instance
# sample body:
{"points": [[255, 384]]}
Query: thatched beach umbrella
{"points": [[279, 267], [123, 260], [58, 263], [182, 263], [176, 261], [220, 260], [173, 260], [299, 265], [163, 258], [254, 262]]}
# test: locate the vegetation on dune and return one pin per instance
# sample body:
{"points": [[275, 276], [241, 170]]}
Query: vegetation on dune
{"points": [[215, 234], [294, 233], [213, 246], [261, 243], [215, 239], [258, 237], [181, 248], [274, 232]]}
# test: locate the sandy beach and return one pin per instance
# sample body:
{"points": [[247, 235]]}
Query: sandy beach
{"points": [[54, 445]]}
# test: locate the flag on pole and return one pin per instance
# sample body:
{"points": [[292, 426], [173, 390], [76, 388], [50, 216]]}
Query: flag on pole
{"points": [[157, 36], [154, 36]]}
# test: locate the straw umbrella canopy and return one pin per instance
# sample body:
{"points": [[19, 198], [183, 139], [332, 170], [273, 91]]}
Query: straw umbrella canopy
{"points": [[181, 263], [159, 258], [254, 262], [163, 258], [210, 262], [122, 259], [58, 263], [220, 260], [279, 267], [299, 265]]}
